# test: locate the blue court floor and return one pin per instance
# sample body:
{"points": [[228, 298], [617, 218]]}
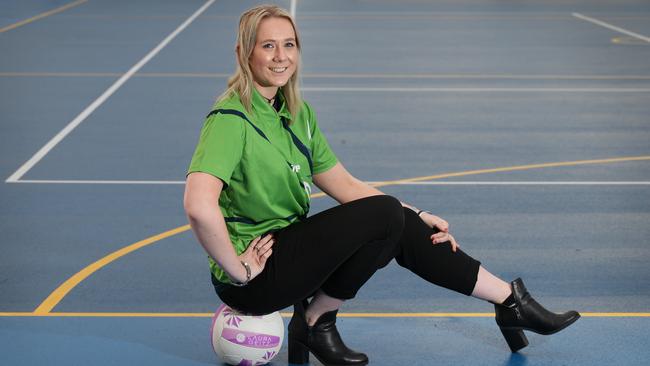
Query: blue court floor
{"points": [[526, 125]]}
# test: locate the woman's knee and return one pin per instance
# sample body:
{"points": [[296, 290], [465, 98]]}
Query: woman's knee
{"points": [[388, 211]]}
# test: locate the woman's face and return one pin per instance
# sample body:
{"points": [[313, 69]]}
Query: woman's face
{"points": [[275, 55]]}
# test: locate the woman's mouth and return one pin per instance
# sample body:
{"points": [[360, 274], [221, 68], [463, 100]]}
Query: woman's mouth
{"points": [[278, 70]]}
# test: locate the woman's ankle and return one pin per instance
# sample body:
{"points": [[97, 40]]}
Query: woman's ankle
{"points": [[319, 305], [491, 288]]}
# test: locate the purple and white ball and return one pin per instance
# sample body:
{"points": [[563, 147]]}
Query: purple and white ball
{"points": [[246, 340]]}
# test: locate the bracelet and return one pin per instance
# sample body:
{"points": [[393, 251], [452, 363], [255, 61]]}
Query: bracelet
{"points": [[248, 276], [421, 211]]}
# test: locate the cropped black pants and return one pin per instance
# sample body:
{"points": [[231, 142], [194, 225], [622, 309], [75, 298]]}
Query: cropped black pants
{"points": [[339, 249]]}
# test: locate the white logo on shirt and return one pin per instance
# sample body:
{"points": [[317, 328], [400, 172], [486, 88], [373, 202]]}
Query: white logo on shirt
{"points": [[307, 187], [295, 168]]}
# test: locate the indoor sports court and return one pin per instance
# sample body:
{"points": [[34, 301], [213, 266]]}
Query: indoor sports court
{"points": [[524, 124]]}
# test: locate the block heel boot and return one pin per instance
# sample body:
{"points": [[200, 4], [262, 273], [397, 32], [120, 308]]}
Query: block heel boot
{"points": [[520, 311], [322, 340]]}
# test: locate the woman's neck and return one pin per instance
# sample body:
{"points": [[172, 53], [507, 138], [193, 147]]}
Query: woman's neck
{"points": [[268, 93]]}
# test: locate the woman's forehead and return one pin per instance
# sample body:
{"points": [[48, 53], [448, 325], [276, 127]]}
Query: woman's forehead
{"points": [[274, 28]]}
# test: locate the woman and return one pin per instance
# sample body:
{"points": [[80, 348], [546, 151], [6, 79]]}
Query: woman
{"points": [[247, 199]]}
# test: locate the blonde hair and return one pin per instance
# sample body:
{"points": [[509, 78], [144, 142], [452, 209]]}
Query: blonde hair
{"points": [[241, 82]]}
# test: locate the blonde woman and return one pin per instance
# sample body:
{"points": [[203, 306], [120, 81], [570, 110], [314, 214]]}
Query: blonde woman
{"points": [[247, 199]]}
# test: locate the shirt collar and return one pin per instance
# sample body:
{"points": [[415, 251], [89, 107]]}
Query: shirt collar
{"points": [[261, 106]]}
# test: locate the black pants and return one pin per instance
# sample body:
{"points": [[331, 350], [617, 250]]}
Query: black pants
{"points": [[339, 249]]}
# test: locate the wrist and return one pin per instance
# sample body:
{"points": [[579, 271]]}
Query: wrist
{"points": [[246, 277], [420, 212]]}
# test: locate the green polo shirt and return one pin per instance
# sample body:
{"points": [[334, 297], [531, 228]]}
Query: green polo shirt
{"points": [[267, 178]]}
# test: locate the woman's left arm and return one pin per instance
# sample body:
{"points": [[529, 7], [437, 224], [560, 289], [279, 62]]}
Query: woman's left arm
{"points": [[339, 184]]}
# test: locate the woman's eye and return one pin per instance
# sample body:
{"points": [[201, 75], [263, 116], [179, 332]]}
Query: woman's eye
{"points": [[289, 44], [267, 45]]}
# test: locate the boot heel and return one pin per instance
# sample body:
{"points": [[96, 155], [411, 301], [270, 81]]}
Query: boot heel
{"points": [[516, 338], [298, 354]]}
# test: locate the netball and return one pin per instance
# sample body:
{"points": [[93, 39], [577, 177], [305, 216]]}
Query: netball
{"points": [[246, 340]]}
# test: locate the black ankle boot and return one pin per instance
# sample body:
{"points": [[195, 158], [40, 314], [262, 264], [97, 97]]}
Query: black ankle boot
{"points": [[322, 339], [520, 311]]}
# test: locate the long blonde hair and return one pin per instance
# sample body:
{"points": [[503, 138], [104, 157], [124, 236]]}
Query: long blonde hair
{"points": [[241, 82]]}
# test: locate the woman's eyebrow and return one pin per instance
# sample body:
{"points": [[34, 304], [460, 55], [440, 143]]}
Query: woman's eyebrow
{"points": [[273, 40]]}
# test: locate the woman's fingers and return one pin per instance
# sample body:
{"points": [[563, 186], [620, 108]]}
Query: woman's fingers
{"points": [[454, 244], [443, 237], [261, 248], [442, 225], [440, 237], [264, 257]]}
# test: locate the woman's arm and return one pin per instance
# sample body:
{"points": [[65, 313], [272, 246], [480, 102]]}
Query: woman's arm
{"points": [[201, 204], [339, 184]]}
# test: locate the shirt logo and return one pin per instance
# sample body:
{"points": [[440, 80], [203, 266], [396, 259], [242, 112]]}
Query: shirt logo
{"points": [[307, 187], [295, 168]]}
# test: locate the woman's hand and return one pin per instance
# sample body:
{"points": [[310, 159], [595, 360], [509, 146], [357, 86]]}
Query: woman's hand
{"points": [[443, 234], [434, 221], [258, 251]]}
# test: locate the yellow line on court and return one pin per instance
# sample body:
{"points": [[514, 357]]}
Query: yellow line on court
{"points": [[57, 295], [286, 315], [501, 170], [42, 15]]}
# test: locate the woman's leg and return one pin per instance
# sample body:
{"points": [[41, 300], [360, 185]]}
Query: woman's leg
{"points": [[319, 305], [515, 309], [491, 288], [335, 251], [437, 263]]}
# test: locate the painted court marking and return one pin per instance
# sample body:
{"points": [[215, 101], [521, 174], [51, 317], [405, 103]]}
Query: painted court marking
{"points": [[476, 90], [102, 98], [287, 315], [42, 15], [58, 294], [611, 26], [430, 183]]}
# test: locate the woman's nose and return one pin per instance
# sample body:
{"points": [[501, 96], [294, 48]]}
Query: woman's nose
{"points": [[280, 54]]}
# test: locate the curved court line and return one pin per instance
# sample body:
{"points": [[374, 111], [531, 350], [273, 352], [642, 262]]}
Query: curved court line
{"points": [[42, 15], [57, 295], [501, 170]]}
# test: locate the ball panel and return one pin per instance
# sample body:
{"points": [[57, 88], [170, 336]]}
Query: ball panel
{"points": [[250, 339], [214, 342]]}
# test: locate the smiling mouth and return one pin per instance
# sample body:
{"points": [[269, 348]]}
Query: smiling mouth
{"points": [[278, 70]]}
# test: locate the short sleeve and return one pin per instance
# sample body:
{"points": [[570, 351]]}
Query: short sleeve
{"points": [[220, 147], [322, 155]]}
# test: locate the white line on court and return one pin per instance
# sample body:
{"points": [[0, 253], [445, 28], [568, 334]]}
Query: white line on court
{"points": [[477, 90], [126, 182], [612, 27], [102, 98], [431, 183], [525, 183]]}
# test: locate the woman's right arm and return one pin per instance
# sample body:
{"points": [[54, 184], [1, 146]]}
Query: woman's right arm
{"points": [[201, 204]]}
